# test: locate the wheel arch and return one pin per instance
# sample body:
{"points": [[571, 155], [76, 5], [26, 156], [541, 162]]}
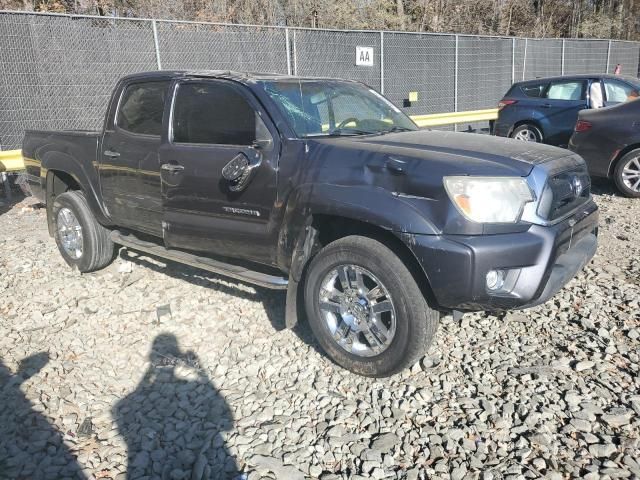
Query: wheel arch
{"points": [[328, 228], [530, 121], [64, 173]]}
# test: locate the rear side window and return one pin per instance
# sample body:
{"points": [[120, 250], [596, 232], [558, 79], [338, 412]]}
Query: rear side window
{"points": [[213, 113], [141, 108], [533, 89], [618, 92], [566, 90]]}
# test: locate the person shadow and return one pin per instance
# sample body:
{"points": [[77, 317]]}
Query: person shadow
{"points": [[30, 446], [173, 421]]}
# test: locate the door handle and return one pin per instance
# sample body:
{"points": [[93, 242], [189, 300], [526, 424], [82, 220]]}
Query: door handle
{"points": [[171, 167], [546, 105], [395, 165], [111, 154]]}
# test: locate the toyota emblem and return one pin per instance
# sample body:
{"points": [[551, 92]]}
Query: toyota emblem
{"points": [[576, 186]]}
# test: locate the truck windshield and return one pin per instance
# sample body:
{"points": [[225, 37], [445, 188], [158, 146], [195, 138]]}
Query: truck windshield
{"points": [[316, 108]]}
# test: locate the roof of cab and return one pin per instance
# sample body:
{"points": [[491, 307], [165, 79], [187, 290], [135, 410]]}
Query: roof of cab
{"points": [[225, 74]]}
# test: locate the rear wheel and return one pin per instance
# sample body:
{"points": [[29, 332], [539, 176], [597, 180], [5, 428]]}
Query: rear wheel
{"points": [[527, 133], [83, 242], [627, 174], [366, 309]]}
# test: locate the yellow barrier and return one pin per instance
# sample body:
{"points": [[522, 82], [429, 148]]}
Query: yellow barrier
{"points": [[438, 119], [11, 161]]}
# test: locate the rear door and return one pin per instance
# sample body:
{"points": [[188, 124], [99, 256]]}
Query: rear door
{"points": [[563, 100], [129, 164], [218, 172]]}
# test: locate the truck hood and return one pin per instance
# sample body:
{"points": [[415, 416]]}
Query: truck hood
{"points": [[453, 153]]}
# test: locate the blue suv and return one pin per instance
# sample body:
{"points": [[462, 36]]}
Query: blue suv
{"points": [[546, 109]]}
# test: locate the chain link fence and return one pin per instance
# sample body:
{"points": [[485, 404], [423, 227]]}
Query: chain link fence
{"points": [[57, 71]]}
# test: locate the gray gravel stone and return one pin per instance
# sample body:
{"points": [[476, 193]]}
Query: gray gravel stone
{"points": [[497, 396]]}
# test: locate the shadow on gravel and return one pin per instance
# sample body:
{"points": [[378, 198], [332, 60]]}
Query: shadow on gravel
{"points": [[172, 422], [7, 204], [602, 186], [30, 446], [273, 301]]}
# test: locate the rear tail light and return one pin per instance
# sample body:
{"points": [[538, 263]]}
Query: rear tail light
{"points": [[504, 103], [583, 126]]}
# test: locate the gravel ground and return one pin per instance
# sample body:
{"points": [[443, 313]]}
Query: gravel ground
{"points": [[162, 371]]}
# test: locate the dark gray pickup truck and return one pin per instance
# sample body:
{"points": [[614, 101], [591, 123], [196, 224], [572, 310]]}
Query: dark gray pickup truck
{"points": [[324, 188]]}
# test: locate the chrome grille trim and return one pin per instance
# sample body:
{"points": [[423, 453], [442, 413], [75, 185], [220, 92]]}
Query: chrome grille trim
{"points": [[540, 177]]}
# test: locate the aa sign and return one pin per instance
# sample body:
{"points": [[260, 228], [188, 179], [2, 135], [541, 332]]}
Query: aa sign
{"points": [[364, 56]]}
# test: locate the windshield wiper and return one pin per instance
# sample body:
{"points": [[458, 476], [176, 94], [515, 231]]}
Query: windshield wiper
{"points": [[338, 132]]}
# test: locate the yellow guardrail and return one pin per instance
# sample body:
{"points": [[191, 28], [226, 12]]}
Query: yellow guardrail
{"points": [[439, 119], [11, 161]]}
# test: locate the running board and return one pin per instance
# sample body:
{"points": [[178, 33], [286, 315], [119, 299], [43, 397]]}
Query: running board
{"points": [[215, 266]]}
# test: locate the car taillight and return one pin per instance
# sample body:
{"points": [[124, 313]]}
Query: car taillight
{"points": [[504, 103], [583, 126]]}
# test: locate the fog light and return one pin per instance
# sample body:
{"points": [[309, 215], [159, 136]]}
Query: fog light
{"points": [[495, 279]]}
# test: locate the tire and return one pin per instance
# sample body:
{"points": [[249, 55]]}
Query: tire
{"points": [[527, 133], [409, 322], [626, 175], [92, 249]]}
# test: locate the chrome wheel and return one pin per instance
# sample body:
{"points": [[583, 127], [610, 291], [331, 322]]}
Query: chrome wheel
{"points": [[70, 233], [358, 310], [526, 135], [631, 174]]}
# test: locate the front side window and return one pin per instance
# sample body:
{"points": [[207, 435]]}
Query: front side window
{"points": [[534, 90], [141, 108], [572, 90], [618, 92], [328, 107], [214, 113]]}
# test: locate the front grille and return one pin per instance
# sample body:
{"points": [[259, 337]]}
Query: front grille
{"points": [[564, 192]]}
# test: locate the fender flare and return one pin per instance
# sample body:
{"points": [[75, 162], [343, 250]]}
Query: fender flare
{"points": [[298, 240], [55, 161]]}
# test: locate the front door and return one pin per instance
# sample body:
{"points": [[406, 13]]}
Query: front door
{"points": [[218, 172], [564, 99]]}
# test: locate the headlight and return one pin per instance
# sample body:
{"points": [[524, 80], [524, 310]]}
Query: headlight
{"points": [[489, 199]]}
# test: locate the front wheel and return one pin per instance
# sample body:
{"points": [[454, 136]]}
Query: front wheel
{"points": [[527, 133], [83, 242], [627, 174], [366, 309]]}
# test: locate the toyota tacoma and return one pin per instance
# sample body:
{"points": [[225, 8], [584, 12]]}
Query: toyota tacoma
{"points": [[322, 187]]}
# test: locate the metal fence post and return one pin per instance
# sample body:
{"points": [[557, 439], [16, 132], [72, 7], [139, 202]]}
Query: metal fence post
{"points": [[155, 42], [562, 61], [288, 49], [524, 61], [295, 55], [382, 62], [513, 60], [608, 56], [455, 83]]}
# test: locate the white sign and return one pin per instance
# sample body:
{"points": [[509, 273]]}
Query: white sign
{"points": [[364, 56]]}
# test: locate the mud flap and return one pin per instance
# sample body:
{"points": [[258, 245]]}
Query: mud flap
{"points": [[291, 307], [305, 247]]}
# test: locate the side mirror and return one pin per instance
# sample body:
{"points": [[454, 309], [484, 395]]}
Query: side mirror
{"points": [[234, 170], [238, 172]]}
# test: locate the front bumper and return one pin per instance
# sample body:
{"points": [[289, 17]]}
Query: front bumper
{"points": [[539, 262]]}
